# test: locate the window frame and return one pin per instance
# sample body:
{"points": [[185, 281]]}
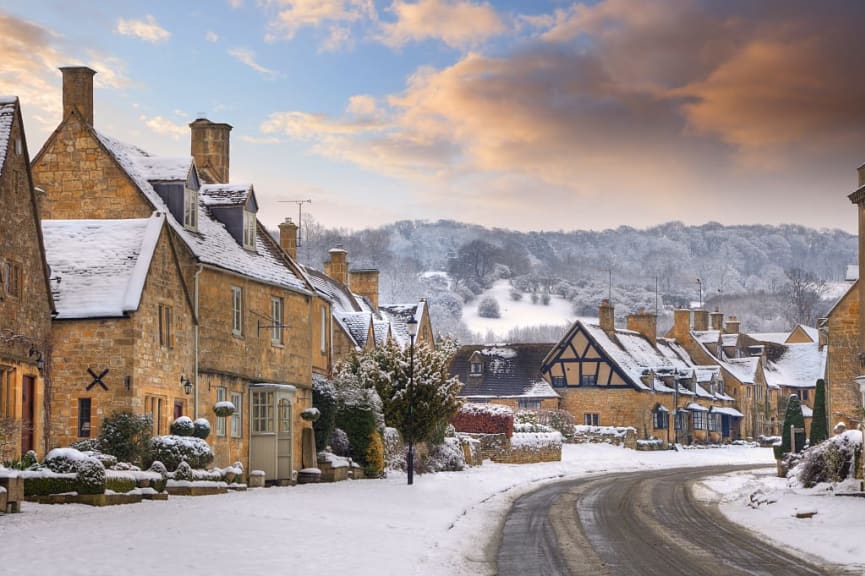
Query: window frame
{"points": [[166, 326], [589, 380], [660, 419], [699, 420], [221, 396], [249, 226], [476, 368], [558, 382], [237, 417], [591, 419], [190, 208], [528, 404], [277, 309], [11, 276], [262, 412], [323, 330], [237, 311], [85, 424]]}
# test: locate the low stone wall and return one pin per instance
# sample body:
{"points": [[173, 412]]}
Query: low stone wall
{"points": [[490, 446], [615, 435], [522, 448]]}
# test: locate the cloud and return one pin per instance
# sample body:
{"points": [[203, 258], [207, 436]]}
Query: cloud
{"points": [[164, 126], [247, 57], [235, 4], [457, 23], [261, 140], [290, 16], [211, 36], [147, 29]]}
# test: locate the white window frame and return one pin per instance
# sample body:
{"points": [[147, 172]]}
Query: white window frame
{"points": [[249, 230], [237, 310], [323, 330], [237, 417], [221, 396], [190, 208], [262, 412], [277, 308]]}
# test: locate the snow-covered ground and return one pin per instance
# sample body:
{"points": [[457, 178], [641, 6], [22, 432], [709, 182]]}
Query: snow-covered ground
{"points": [[768, 505], [439, 526], [516, 314]]}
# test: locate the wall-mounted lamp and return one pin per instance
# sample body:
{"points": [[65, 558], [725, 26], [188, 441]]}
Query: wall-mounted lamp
{"points": [[187, 385], [40, 359]]}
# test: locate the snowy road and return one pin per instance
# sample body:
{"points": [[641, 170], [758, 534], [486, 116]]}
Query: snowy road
{"points": [[641, 524]]}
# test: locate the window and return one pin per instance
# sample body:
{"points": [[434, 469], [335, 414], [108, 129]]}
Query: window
{"points": [[10, 272], [588, 380], [276, 319], [477, 368], [236, 311], [559, 382], [323, 330], [248, 230], [699, 420], [221, 396], [805, 394], [591, 419], [660, 419], [84, 407], [237, 417], [524, 404], [166, 333], [155, 407], [19, 146], [262, 412], [284, 416], [714, 422], [681, 420], [6, 400], [190, 209]]}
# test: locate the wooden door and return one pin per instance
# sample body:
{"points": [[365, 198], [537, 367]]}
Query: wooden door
{"points": [[28, 389], [178, 409]]}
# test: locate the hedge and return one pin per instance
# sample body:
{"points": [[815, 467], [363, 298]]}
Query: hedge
{"points": [[484, 419]]}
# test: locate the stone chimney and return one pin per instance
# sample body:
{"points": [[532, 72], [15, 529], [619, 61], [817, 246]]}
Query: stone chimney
{"points": [[861, 175], [337, 266], [858, 198], [288, 238], [607, 316], [716, 319], [732, 326], [78, 91], [365, 283], [646, 324], [701, 320], [210, 149], [681, 324]]}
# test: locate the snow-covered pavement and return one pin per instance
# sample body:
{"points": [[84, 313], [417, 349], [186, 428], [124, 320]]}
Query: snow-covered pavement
{"points": [[439, 526]]}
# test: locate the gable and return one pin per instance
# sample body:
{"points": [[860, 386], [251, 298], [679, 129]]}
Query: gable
{"points": [[580, 361]]}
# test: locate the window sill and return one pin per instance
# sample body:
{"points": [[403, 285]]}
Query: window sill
{"points": [[277, 344], [238, 335]]}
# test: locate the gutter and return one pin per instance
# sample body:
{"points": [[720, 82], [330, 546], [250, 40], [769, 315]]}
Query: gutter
{"points": [[195, 340]]}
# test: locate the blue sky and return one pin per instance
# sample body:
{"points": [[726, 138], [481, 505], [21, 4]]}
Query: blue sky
{"points": [[531, 115]]}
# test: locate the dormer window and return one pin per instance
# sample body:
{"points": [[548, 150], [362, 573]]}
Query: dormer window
{"points": [[248, 230], [477, 368], [190, 209]]}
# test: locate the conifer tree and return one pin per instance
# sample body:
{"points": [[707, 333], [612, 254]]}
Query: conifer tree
{"points": [[793, 417], [819, 425]]}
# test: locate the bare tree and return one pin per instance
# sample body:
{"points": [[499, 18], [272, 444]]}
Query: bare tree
{"points": [[805, 293]]}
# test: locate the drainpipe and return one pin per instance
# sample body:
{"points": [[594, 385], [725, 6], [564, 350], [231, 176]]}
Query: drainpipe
{"points": [[195, 341]]}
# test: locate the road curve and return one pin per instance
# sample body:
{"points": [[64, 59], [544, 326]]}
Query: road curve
{"points": [[635, 524]]}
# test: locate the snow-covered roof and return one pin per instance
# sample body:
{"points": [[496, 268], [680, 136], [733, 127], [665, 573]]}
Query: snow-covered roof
{"points": [[162, 168], [807, 412], [852, 272], [356, 324], [211, 243], [382, 331], [7, 116], [707, 336], [812, 332], [743, 369], [100, 265], [729, 340], [508, 371], [338, 293], [800, 366], [225, 194], [398, 315], [727, 410], [773, 337], [693, 406]]}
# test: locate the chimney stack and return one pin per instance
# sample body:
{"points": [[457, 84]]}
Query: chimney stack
{"points": [[732, 325], [210, 150], [606, 316], [78, 91], [646, 324], [861, 175], [337, 266], [716, 319], [288, 238], [365, 283], [681, 324], [701, 320]]}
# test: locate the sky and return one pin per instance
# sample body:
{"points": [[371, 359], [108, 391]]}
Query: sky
{"points": [[523, 114]]}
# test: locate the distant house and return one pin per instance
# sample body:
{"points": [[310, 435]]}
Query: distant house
{"points": [[609, 376], [25, 300], [508, 374]]}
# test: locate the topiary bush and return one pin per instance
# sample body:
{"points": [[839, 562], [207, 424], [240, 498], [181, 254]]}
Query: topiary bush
{"points": [[183, 426], [172, 450], [91, 477], [819, 423], [201, 428], [374, 457], [184, 472], [64, 460], [793, 417], [126, 436], [45, 485], [119, 484], [159, 468], [484, 419], [488, 307]]}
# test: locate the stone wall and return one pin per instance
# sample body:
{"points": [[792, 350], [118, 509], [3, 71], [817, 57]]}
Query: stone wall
{"points": [[842, 363]]}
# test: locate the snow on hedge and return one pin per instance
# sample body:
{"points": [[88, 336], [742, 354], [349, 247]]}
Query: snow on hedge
{"points": [[536, 440], [614, 431]]}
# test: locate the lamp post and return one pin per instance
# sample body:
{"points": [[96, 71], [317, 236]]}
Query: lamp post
{"points": [[411, 326]]}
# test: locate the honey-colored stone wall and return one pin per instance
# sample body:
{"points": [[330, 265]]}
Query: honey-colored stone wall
{"points": [[842, 362]]}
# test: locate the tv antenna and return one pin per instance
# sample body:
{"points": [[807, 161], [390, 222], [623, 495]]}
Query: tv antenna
{"points": [[300, 204]]}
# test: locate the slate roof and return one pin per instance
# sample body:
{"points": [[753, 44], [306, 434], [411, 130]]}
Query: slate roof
{"points": [[356, 324], [100, 265], [744, 369], [800, 366], [212, 243], [225, 194], [398, 315], [336, 292], [510, 371], [773, 337]]}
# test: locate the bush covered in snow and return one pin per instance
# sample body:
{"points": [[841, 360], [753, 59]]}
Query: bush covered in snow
{"points": [[64, 460], [183, 426], [484, 419], [445, 457], [91, 477], [126, 436], [488, 307], [159, 468], [171, 450], [201, 428], [394, 450], [324, 398], [829, 461], [339, 443], [184, 472]]}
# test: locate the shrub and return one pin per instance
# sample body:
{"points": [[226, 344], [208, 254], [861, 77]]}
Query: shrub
{"points": [[793, 417], [819, 424], [488, 307], [86, 445], [91, 477], [184, 472], [126, 436], [339, 443], [45, 485], [119, 484], [545, 298], [223, 408], [201, 428], [394, 457], [324, 398], [484, 419], [516, 295], [172, 450], [159, 468], [560, 420], [359, 423], [64, 460], [445, 457], [183, 426], [830, 461], [374, 457]]}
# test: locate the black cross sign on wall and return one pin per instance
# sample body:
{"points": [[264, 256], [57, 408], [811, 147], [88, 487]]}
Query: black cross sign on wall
{"points": [[97, 379]]}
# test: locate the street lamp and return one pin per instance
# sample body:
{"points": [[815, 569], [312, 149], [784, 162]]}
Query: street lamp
{"points": [[411, 326], [187, 384], [860, 380]]}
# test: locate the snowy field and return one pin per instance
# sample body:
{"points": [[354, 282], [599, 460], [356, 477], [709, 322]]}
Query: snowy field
{"points": [[766, 504], [439, 526], [516, 314]]}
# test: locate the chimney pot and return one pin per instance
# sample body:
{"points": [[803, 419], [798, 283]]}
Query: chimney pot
{"points": [[646, 324], [606, 316], [861, 175], [337, 266], [288, 238], [210, 144], [78, 91]]}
